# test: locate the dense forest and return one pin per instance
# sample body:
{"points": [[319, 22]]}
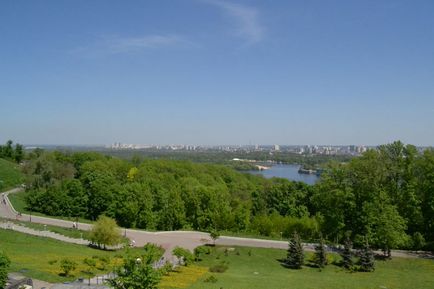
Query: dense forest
{"points": [[385, 196]]}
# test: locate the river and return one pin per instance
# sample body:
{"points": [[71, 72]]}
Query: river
{"points": [[289, 172]]}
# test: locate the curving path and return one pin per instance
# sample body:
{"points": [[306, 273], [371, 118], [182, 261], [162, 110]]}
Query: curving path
{"points": [[167, 239]]}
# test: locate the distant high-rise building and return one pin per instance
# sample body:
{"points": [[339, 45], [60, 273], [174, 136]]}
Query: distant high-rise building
{"points": [[276, 147]]}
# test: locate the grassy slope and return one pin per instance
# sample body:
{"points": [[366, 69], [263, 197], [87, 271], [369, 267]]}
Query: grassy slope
{"points": [[9, 174], [31, 255], [18, 201], [398, 273]]}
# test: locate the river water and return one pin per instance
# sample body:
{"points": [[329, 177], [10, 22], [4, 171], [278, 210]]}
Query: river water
{"points": [[289, 172]]}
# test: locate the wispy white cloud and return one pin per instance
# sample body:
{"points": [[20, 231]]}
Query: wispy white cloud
{"points": [[121, 45], [118, 45], [246, 19]]}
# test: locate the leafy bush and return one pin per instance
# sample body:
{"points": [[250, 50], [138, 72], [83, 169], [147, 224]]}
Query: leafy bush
{"points": [[67, 266], [219, 268], [199, 251], [210, 279], [103, 263], [89, 262], [167, 268], [153, 251], [135, 273], [418, 241], [183, 254], [4, 265]]}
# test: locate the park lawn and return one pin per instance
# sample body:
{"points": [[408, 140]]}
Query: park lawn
{"points": [[10, 175], [263, 270], [32, 256]]}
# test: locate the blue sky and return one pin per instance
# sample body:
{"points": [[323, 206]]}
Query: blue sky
{"points": [[217, 72]]}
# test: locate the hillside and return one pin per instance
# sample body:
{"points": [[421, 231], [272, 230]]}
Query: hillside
{"points": [[10, 175]]}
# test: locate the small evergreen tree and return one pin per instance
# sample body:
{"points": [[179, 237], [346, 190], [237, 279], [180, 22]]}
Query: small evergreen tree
{"points": [[347, 254], [367, 261], [320, 257], [295, 258]]}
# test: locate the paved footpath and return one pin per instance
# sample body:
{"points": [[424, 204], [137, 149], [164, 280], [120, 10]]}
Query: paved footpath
{"points": [[168, 239]]}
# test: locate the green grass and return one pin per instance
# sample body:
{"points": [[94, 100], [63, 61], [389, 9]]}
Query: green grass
{"points": [[263, 270], [33, 256], [18, 201], [10, 175]]}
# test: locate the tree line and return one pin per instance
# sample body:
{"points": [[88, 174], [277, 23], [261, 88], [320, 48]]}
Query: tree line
{"points": [[311, 161], [385, 197], [12, 152]]}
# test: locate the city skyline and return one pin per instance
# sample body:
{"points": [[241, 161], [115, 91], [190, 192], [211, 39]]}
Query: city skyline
{"points": [[214, 71]]}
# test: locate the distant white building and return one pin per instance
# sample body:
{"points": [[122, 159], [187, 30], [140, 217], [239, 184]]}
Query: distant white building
{"points": [[276, 147]]}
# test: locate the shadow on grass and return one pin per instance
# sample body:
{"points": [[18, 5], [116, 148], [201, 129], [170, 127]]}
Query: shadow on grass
{"points": [[62, 274], [283, 263], [102, 248]]}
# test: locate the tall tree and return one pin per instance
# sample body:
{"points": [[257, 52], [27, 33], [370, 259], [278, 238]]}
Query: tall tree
{"points": [[384, 226], [100, 184], [105, 232], [8, 150], [425, 184]]}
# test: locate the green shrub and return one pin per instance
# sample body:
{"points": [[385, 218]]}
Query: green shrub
{"points": [[166, 269], [4, 266], [211, 279], [103, 263], [199, 251], [153, 251], [89, 262], [183, 254], [219, 268], [418, 241], [67, 266]]}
